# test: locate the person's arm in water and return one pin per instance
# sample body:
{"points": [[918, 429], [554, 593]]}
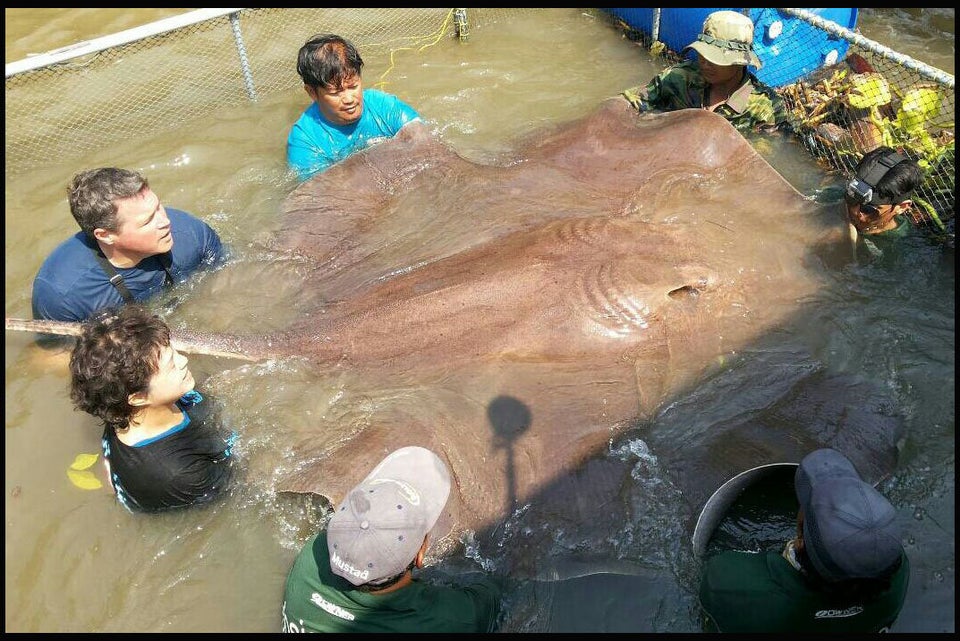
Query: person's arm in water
{"points": [[304, 155], [768, 110], [314, 145], [197, 245], [49, 353], [649, 97]]}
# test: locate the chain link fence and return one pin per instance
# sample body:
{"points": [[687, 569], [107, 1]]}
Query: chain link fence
{"points": [[86, 102], [872, 97]]}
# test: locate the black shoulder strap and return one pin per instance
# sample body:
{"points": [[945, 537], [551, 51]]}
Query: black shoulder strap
{"points": [[115, 278], [166, 261], [885, 163]]}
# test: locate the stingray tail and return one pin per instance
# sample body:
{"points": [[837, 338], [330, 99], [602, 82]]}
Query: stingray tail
{"points": [[248, 348], [57, 328]]}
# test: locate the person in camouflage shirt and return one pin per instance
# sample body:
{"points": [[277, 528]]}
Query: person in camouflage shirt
{"points": [[718, 80]]}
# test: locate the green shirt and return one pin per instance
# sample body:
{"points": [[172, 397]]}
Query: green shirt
{"points": [[317, 600], [681, 86], [763, 592], [887, 243]]}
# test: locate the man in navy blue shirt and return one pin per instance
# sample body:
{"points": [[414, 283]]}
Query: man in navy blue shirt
{"points": [[129, 247]]}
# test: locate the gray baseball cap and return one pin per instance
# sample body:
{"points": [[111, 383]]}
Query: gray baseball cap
{"points": [[376, 531], [849, 528], [726, 39]]}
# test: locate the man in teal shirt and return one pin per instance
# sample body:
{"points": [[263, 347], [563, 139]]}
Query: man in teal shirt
{"points": [[845, 572], [357, 575], [344, 117]]}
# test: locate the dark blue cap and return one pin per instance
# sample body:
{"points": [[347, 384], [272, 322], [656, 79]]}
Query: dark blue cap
{"points": [[849, 528]]}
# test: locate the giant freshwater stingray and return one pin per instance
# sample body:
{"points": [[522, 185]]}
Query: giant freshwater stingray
{"points": [[535, 310]]}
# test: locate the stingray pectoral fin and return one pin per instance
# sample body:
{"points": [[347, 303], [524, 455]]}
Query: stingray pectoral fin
{"points": [[332, 473]]}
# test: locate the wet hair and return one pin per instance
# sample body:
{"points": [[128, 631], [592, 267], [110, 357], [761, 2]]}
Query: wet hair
{"points": [[327, 60], [897, 184], [116, 355], [93, 196]]}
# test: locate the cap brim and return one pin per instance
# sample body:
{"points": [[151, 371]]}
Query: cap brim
{"points": [[724, 57]]}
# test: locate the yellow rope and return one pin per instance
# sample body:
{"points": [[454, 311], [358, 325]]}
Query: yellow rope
{"points": [[381, 83]]}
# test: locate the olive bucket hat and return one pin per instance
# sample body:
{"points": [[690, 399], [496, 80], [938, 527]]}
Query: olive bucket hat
{"points": [[726, 39]]}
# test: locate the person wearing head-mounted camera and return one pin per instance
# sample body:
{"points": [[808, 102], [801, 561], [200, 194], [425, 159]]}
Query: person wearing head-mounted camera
{"points": [[718, 79], [878, 197]]}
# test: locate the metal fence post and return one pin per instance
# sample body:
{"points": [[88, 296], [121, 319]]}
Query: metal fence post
{"points": [[242, 52]]}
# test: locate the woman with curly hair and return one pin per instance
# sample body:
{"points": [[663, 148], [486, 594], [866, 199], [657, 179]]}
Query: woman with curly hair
{"points": [[161, 443]]}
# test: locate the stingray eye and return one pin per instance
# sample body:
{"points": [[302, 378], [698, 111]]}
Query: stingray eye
{"points": [[684, 293]]}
